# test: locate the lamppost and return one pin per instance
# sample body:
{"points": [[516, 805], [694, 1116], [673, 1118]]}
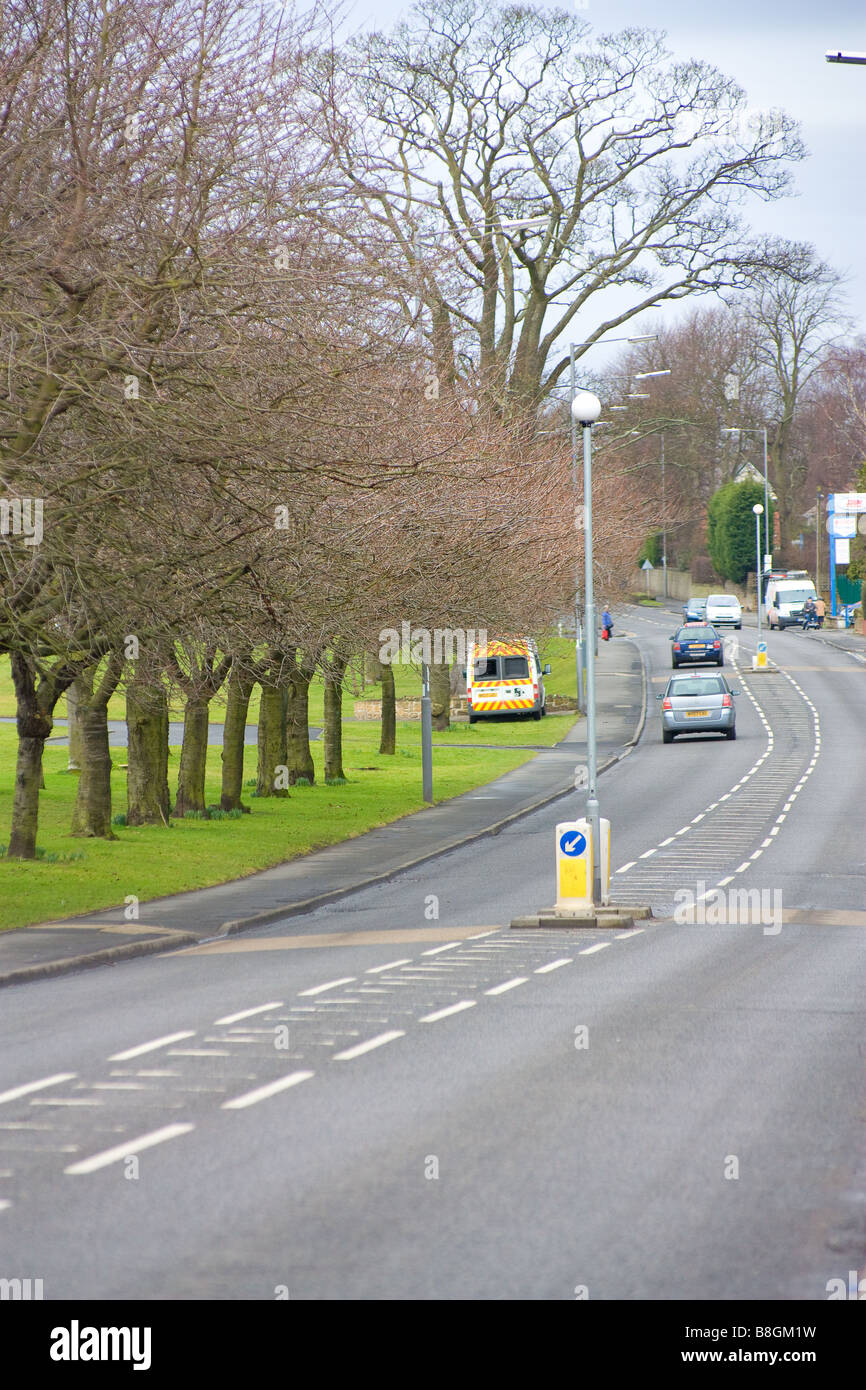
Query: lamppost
{"points": [[585, 410], [766, 506], [758, 510], [579, 643]]}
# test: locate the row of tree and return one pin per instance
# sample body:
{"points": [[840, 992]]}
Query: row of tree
{"points": [[282, 330]]}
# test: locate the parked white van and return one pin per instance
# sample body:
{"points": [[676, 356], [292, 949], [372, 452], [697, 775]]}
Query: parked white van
{"points": [[784, 596], [722, 609]]}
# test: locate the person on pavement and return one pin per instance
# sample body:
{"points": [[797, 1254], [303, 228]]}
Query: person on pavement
{"points": [[820, 610], [607, 625]]}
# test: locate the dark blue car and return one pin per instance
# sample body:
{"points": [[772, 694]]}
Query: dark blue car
{"points": [[695, 642], [695, 610]]}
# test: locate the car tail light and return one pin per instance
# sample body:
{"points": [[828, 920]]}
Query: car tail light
{"points": [[717, 645], [666, 704], [676, 646], [726, 702]]}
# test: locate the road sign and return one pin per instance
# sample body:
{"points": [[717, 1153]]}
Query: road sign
{"points": [[572, 843], [647, 566], [760, 661]]}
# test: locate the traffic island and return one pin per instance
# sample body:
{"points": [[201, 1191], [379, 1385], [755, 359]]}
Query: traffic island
{"points": [[605, 917]]}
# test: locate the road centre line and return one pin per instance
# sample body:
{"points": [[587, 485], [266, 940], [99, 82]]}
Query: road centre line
{"points": [[451, 1009], [133, 1146], [509, 984], [249, 1013], [553, 965], [332, 984], [391, 965], [450, 946], [361, 1048], [142, 1048], [590, 950], [265, 1092], [29, 1086]]}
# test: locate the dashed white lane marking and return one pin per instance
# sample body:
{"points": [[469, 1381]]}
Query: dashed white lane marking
{"points": [[647, 852], [509, 984], [451, 946], [391, 965], [66, 1100], [249, 1013], [36, 1086], [553, 965], [131, 1146], [624, 935], [263, 1092], [199, 1052], [4, 1204], [452, 1009], [149, 1046], [479, 934], [361, 1048], [590, 950], [722, 881], [668, 841], [630, 865], [332, 984]]}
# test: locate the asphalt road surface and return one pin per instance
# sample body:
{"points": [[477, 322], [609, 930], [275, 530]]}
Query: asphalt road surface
{"points": [[429, 1105]]}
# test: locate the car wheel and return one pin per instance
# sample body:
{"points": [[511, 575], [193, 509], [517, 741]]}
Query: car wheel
{"points": [[536, 714], [667, 736], [473, 719], [675, 664], [731, 733], [738, 626], [543, 710], [721, 661]]}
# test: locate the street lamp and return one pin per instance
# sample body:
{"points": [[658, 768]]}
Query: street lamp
{"points": [[585, 410], [766, 506], [758, 510]]}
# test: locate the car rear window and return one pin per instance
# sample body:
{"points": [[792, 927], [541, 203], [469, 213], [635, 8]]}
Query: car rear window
{"points": [[706, 685], [513, 666], [696, 634], [723, 602]]}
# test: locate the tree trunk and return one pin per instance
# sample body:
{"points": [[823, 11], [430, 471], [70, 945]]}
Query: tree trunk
{"points": [[147, 794], [333, 731], [234, 736], [75, 754], [272, 769], [25, 805], [193, 758], [440, 694], [34, 710], [91, 817], [388, 741], [299, 758]]}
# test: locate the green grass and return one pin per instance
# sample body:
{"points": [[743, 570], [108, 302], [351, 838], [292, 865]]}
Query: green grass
{"points": [[150, 861]]}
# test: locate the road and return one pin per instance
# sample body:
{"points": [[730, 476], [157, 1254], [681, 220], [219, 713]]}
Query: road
{"points": [[398, 1097]]}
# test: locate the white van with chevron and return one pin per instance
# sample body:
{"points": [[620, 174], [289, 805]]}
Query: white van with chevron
{"points": [[505, 678]]}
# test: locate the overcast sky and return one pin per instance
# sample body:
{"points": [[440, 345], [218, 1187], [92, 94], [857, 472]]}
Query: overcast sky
{"points": [[775, 50]]}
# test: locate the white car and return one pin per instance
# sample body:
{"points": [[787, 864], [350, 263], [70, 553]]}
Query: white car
{"points": [[722, 609]]}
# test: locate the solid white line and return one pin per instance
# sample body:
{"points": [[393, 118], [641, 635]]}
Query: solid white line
{"points": [[133, 1146], [368, 1046], [320, 989], [553, 965], [149, 1046], [599, 946], [509, 984], [263, 1092], [36, 1086], [249, 1013], [391, 965], [452, 946], [452, 1009]]}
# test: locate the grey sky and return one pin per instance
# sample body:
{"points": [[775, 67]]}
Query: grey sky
{"points": [[775, 50]]}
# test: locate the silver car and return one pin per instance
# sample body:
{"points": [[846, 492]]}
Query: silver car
{"points": [[698, 704]]}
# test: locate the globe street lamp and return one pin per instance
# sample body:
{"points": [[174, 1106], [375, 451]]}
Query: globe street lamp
{"points": [[585, 410]]}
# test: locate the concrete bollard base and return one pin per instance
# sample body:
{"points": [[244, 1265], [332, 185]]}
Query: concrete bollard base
{"points": [[607, 916]]}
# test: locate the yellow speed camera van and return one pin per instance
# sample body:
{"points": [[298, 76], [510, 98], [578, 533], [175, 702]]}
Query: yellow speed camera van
{"points": [[505, 678]]}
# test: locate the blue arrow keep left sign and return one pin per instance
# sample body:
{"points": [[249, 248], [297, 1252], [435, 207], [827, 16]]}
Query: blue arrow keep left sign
{"points": [[572, 843]]}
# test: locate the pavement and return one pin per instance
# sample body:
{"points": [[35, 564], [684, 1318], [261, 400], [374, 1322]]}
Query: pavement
{"points": [[309, 881]]}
